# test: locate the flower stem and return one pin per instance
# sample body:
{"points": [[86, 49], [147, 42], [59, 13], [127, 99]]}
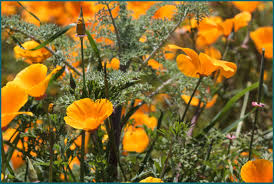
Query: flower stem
{"points": [[83, 68], [82, 162], [192, 95], [258, 101]]}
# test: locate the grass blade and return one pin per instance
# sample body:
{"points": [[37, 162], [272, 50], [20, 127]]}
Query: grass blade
{"points": [[56, 35], [228, 106], [32, 14], [234, 124], [94, 48]]}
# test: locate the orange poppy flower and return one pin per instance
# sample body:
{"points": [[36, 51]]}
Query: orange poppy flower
{"points": [[257, 171], [263, 38], [227, 26], [165, 12], [241, 20], [113, 64], [12, 99], [85, 114], [151, 180], [135, 139], [248, 6], [34, 79], [209, 31], [143, 119], [194, 65], [36, 56], [195, 101], [146, 108]]}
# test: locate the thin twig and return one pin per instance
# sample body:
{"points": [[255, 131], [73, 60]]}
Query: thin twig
{"points": [[115, 29], [261, 81], [192, 95], [49, 49]]}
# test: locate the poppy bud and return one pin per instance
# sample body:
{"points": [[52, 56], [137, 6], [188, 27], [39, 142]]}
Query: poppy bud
{"points": [[80, 27]]}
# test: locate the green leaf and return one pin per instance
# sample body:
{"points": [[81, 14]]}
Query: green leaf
{"points": [[53, 37], [234, 124], [229, 105], [32, 14], [94, 48]]}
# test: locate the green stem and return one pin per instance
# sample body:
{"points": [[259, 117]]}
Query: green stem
{"points": [[82, 162], [3, 157], [258, 101], [83, 68], [192, 95]]}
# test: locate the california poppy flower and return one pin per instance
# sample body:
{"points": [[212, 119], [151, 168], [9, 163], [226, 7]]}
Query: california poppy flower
{"points": [[135, 139], [85, 114], [248, 6], [12, 99], [36, 56], [263, 38], [151, 180], [195, 101], [143, 119], [241, 20], [155, 65], [257, 171], [113, 64], [165, 12], [213, 52], [194, 65], [34, 79], [209, 30]]}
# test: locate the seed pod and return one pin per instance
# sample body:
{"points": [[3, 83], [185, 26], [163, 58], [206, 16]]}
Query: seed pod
{"points": [[80, 27]]}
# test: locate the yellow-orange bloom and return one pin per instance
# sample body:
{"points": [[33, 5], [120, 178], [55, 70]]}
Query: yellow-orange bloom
{"points": [[85, 114], [209, 31], [135, 139], [263, 38], [34, 79], [195, 101], [257, 171], [194, 65], [165, 12], [36, 56], [143, 119], [248, 6], [113, 64], [151, 180], [12, 99], [241, 20]]}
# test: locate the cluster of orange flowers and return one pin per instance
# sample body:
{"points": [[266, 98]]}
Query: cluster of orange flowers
{"points": [[32, 81]]}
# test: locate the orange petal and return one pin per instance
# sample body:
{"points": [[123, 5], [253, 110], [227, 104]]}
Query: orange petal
{"points": [[227, 26], [248, 6], [87, 114], [186, 66], [257, 171], [207, 65], [12, 99], [135, 139], [194, 100], [241, 20]]}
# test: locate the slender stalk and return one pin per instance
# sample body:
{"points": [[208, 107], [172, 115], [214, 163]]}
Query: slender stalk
{"points": [[239, 127], [115, 29], [51, 156], [166, 161], [3, 158], [258, 101], [83, 68], [192, 95], [82, 162]]}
